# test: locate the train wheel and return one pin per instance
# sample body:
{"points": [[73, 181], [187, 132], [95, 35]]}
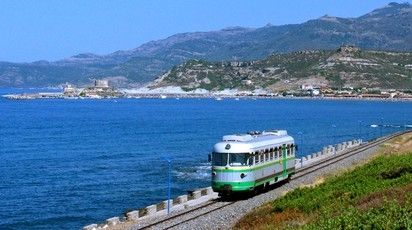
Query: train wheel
{"points": [[254, 192], [224, 195], [267, 186]]}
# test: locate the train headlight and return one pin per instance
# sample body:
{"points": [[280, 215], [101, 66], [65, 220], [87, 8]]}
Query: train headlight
{"points": [[243, 175]]}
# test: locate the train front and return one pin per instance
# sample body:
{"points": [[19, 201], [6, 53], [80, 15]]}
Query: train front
{"points": [[230, 168]]}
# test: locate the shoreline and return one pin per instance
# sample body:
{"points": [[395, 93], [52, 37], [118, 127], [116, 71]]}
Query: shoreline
{"points": [[216, 96]]}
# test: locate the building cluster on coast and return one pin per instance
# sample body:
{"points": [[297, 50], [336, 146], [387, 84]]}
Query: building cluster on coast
{"points": [[101, 89], [349, 92]]}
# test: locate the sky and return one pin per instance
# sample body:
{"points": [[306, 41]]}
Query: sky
{"points": [[32, 30]]}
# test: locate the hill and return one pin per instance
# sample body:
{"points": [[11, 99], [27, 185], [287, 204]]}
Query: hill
{"points": [[388, 28], [346, 67]]}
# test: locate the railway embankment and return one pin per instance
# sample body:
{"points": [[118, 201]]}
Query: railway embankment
{"points": [[201, 209], [227, 215], [189, 202], [377, 194]]}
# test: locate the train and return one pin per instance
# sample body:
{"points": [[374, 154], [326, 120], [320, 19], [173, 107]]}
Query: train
{"points": [[244, 163]]}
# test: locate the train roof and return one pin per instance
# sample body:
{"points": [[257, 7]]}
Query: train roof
{"points": [[252, 141]]}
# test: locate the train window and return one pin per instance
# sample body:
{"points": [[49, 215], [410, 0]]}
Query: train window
{"points": [[219, 159], [280, 152], [256, 159], [237, 159], [267, 156]]}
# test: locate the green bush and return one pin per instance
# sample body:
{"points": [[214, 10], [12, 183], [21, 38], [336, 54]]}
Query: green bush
{"points": [[336, 201], [390, 216]]}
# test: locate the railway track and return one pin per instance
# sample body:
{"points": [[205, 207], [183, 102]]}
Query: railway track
{"points": [[338, 157], [179, 218]]}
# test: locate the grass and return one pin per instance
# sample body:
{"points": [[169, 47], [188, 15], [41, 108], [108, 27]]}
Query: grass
{"points": [[377, 195]]}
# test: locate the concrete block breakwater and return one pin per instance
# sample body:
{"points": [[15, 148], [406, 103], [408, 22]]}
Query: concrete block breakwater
{"points": [[206, 194], [179, 203], [327, 151]]}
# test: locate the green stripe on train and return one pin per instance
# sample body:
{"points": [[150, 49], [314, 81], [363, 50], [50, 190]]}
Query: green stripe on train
{"points": [[235, 186], [253, 168], [247, 185]]}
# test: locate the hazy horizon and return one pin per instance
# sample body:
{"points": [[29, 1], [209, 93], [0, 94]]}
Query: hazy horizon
{"points": [[54, 30]]}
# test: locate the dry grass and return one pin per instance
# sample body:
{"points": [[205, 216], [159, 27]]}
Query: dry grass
{"points": [[318, 181], [378, 198], [266, 218], [400, 145]]}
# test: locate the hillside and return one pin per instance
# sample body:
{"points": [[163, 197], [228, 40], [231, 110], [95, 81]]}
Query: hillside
{"points": [[376, 195], [387, 28], [345, 67]]}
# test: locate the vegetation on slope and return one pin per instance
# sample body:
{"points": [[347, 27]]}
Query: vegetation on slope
{"points": [[345, 67], [377, 195]]}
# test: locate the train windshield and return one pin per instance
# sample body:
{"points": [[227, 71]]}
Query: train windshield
{"points": [[238, 159], [219, 159]]}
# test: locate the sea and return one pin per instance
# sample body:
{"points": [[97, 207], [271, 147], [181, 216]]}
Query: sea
{"points": [[65, 164]]}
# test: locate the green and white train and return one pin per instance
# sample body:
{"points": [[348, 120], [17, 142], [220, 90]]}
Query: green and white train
{"points": [[249, 162]]}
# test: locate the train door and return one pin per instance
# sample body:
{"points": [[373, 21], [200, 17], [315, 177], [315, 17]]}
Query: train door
{"points": [[284, 161]]}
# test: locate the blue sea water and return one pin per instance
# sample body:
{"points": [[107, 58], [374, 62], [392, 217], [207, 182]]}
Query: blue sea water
{"points": [[68, 163]]}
